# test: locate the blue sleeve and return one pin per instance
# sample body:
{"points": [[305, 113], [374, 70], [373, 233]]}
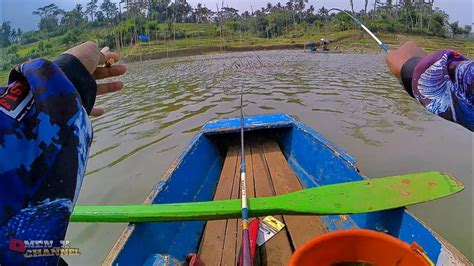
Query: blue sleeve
{"points": [[443, 84], [45, 135]]}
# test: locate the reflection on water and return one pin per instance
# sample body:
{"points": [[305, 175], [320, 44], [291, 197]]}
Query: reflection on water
{"points": [[350, 99]]}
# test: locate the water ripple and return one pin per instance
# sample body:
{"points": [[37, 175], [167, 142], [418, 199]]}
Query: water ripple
{"points": [[350, 99]]}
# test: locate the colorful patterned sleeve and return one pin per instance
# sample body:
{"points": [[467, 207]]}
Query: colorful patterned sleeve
{"points": [[45, 135], [443, 84]]}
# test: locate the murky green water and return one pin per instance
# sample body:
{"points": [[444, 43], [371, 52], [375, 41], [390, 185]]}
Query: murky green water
{"points": [[350, 99]]}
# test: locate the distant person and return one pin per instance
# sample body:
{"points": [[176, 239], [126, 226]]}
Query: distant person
{"points": [[324, 44], [442, 82], [45, 135]]}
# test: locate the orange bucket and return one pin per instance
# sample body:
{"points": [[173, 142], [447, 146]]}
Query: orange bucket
{"points": [[358, 245]]}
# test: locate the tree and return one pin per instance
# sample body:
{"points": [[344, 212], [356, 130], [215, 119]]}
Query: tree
{"points": [[73, 18], [298, 7], [180, 10], [202, 14], [323, 12], [262, 23], [309, 16], [455, 29], [99, 16], [48, 24], [245, 15], [269, 7], [158, 9], [467, 29], [5, 34], [229, 13], [438, 23], [48, 15], [151, 26], [389, 4], [109, 9], [48, 10], [352, 6], [19, 33], [13, 35], [91, 8]]}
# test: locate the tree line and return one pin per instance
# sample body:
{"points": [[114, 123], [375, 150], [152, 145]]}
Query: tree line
{"points": [[127, 19]]}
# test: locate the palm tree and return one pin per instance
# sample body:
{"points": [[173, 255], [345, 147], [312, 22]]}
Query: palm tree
{"points": [[269, 7], [19, 33], [13, 35], [91, 8]]}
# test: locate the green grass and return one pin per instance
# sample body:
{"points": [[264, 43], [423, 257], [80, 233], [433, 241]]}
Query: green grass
{"points": [[208, 36], [357, 41], [4, 77]]}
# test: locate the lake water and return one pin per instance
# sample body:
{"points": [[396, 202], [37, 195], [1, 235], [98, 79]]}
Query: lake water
{"points": [[350, 99]]}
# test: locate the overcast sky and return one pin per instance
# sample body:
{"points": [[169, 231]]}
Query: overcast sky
{"points": [[19, 11]]}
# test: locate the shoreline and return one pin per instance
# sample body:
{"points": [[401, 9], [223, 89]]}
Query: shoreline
{"points": [[337, 46], [206, 50], [349, 42], [218, 50], [352, 43]]}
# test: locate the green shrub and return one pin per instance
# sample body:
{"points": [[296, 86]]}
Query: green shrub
{"points": [[29, 37], [71, 37]]}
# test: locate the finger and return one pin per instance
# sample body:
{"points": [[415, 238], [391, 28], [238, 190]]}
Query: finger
{"points": [[102, 60], [108, 55], [115, 56], [109, 87], [97, 111], [105, 51], [88, 53], [107, 72], [111, 58]]}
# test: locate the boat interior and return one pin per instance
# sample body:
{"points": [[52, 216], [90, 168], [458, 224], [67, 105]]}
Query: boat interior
{"points": [[282, 156], [268, 174]]}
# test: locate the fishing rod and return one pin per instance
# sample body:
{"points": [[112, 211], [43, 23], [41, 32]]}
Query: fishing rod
{"points": [[243, 186], [246, 261], [381, 44]]}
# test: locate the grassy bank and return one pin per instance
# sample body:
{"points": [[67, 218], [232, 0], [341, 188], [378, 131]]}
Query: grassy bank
{"points": [[202, 39], [348, 42]]}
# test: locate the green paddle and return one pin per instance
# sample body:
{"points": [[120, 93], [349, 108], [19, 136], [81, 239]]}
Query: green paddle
{"points": [[346, 198]]}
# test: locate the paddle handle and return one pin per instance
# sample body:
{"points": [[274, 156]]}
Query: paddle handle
{"points": [[209, 210]]}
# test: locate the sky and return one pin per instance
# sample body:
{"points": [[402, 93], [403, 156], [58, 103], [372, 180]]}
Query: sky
{"points": [[18, 12]]}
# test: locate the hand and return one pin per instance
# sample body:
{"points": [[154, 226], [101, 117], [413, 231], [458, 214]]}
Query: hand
{"points": [[91, 57], [396, 58]]}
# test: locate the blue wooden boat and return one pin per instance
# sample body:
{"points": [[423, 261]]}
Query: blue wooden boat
{"points": [[282, 155]]}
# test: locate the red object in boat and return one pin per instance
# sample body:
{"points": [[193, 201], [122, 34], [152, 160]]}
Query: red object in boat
{"points": [[358, 245]]}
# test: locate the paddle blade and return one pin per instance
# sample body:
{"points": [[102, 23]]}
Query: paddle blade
{"points": [[371, 195], [346, 198]]}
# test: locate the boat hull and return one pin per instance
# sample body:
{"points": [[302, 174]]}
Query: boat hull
{"points": [[314, 160]]}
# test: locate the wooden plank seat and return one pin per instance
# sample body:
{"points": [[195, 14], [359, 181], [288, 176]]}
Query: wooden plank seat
{"points": [[268, 174]]}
